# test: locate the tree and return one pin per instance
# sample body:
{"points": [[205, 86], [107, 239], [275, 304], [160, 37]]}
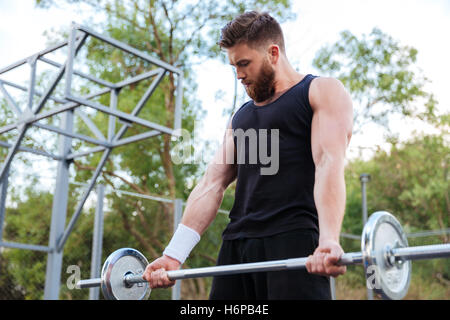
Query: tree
{"points": [[381, 76], [181, 34], [411, 181]]}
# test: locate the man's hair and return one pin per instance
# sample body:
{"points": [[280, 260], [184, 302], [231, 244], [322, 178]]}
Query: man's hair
{"points": [[254, 29]]}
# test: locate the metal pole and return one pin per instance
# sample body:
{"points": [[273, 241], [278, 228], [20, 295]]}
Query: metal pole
{"points": [[59, 212], [31, 87], [71, 57], [112, 119], [421, 252], [60, 199], [178, 213], [77, 213], [3, 189], [364, 178], [333, 288], [350, 258], [179, 103], [97, 243]]}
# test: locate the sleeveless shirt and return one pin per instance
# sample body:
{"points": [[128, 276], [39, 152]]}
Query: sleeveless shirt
{"points": [[275, 169]]}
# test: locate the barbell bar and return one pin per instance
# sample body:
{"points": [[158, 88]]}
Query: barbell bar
{"points": [[384, 254]]}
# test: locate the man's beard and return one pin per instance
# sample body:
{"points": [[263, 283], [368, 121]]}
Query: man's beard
{"points": [[264, 86]]}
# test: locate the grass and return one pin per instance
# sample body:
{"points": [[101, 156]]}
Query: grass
{"points": [[423, 286]]}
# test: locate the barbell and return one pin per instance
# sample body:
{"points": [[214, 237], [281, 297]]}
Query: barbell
{"points": [[384, 254]]}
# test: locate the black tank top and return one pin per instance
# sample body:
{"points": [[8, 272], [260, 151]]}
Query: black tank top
{"points": [[273, 197]]}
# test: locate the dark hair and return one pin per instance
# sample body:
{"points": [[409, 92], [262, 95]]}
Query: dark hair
{"points": [[253, 28]]}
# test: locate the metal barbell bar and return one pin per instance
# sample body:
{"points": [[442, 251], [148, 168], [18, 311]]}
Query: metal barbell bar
{"points": [[385, 255]]}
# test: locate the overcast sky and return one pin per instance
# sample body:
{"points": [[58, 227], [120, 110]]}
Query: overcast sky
{"points": [[423, 24]]}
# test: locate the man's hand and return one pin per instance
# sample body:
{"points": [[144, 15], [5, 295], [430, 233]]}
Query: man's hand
{"points": [[323, 261], [156, 272]]}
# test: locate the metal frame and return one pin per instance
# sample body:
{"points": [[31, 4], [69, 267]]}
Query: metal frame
{"points": [[31, 114]]}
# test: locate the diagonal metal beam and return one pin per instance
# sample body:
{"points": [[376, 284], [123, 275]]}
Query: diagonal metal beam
{"points": [[12, 151], [70, 102], [36, 92], [10, 100], [24, 126], [34, 151], [124, 128], [72, 155], [121, 115], [137, 137], [107, 151], [91, 125], [32, 84], [58, 77], [118, 143], [40, 53], [25, 246], [113, 101], [68, 106], [83, 137], [81, 74], [10, 127], [138, 78], [130, 49], [84, 197], [141, 103]]}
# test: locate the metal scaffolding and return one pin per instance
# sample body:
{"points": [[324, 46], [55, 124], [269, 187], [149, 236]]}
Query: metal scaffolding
{"points": [[68, 107]]}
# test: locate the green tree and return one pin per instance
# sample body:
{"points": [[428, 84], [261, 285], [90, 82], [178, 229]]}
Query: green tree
{"points": [[411, 181], [380, 75], [182, 34]]}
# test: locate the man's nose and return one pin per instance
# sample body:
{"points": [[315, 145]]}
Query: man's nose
{"points": [[240, 75]]}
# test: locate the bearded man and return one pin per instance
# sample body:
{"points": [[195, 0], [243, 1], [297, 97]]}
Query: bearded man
{"points": [[293, 211]]}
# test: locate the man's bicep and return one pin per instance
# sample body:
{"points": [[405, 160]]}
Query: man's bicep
{"points": [[332, 121], [223, 166]]}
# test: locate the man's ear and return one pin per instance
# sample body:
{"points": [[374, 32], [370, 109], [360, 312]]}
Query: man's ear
{"points": [[274, 53]]}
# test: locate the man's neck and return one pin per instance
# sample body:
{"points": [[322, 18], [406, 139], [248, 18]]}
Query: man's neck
{"points": [[283, 82]]}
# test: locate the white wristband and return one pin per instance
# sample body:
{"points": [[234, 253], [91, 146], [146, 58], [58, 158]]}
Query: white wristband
{"points": [[183, 241]]}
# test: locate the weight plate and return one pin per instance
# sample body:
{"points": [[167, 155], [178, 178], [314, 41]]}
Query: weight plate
{"points": [[120, 263], [381, 232]]}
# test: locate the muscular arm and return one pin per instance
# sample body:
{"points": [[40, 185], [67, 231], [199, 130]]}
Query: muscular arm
{"points": [[330, 135], [204, 201], [201, 207]]}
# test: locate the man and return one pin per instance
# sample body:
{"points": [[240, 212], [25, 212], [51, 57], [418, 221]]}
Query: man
{"points": [[293, 211]]}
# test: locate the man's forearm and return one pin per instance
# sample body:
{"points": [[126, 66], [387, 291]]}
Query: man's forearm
{"points": [[329, 196], [202, 205]]}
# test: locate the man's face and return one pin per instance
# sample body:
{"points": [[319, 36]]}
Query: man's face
{"points": [[254, 70]]}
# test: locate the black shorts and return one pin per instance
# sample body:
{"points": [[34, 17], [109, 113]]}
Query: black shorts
{"points": [[272, 285]]}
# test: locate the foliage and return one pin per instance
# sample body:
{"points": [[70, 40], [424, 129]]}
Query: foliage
{"points": [[380, 75], [411, 181], [178, 33]]}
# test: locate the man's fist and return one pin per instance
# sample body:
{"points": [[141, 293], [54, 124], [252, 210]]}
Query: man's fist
{"points": [[156, 272], [323, 261]]}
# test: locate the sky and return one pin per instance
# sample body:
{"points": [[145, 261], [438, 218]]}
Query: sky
{"points": [[423, 24]]}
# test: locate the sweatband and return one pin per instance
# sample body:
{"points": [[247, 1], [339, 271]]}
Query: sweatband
{"points": [[183, 241]]}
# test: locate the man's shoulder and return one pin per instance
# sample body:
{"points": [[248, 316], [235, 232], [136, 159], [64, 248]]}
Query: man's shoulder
{"points": [[241, 108], [320, 83], [324, 90]]}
